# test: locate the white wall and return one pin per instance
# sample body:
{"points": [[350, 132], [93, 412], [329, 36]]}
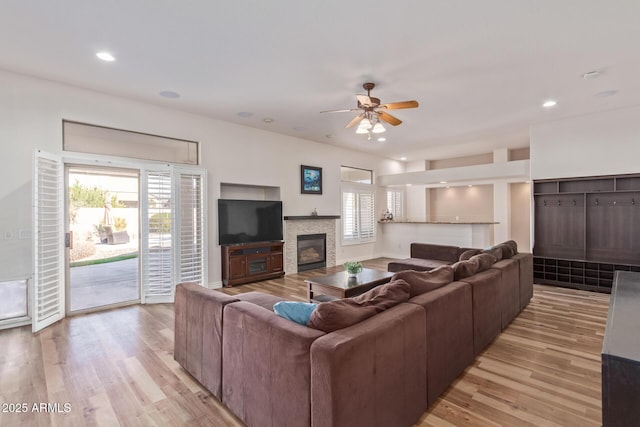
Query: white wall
{"points": [[465, 204], [521, 215], [604, 143], [31, 114]]}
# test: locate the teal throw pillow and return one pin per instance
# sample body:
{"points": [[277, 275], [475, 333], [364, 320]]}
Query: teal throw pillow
{"points": [[298, 312]]}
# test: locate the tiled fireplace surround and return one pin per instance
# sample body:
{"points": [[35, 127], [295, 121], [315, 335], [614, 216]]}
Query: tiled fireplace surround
{"points": [[300, 225]]}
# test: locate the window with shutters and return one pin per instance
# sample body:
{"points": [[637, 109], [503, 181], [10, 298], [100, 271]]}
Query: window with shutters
{"points": [[192, 224], [358, 214], [395, 203]]}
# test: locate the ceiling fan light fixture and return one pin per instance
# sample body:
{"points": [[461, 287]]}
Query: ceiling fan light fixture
{"points": [[378, 128], [365, 124], [361, 130]]}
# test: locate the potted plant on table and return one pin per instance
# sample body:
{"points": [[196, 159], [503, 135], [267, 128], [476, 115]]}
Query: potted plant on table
{"points": [[353, 268]]}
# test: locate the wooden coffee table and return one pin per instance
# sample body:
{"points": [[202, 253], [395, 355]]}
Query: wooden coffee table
{"points": [[340, 285]]}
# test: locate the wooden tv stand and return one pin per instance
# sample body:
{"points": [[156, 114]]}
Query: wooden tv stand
{"points": [[251, 262]]}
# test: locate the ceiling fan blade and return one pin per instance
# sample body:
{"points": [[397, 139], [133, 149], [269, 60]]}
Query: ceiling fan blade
{"points": [[340, 111], [399, 105], [355, 120], [364, 100], [393, 121]]}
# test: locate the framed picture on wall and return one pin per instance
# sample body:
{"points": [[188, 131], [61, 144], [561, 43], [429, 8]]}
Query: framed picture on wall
{"points": [[310, 180]]}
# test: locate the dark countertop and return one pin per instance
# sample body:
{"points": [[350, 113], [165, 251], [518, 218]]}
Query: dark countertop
{"points": [[621, 338]]}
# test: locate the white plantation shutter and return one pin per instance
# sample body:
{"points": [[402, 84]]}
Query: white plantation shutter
{"points": [[157, 236], [174, 240], [395, 203], [358, 214], [48, 289], [192, 266], [367, 213], [349, 230]]}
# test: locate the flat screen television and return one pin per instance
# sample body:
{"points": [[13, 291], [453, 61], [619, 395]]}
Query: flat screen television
{"points": [[248, 221]]}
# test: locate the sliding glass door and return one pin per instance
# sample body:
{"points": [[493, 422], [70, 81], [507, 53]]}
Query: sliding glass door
{"points": [[130, 236], [103, 257]]}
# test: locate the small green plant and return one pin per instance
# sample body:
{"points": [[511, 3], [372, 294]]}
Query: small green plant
{"points": [[353, 267]]}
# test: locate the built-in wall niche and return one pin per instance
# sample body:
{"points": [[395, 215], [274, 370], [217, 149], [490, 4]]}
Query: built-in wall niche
{"points": [[248, 192], [468, 203]]}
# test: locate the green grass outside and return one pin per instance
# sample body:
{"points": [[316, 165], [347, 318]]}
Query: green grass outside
{"points": [[103, 260]]}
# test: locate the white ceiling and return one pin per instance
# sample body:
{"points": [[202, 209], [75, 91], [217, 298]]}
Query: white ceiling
{"points": [[480, 69]]}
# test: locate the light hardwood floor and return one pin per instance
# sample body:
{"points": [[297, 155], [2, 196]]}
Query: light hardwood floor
{"points": [[116, 367]]}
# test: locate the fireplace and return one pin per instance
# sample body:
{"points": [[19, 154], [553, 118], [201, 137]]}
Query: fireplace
{"points": [[312, 251]]}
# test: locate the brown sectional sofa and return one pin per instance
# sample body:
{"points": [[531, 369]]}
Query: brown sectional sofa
{"points": [[385, 370], [427, 256]]}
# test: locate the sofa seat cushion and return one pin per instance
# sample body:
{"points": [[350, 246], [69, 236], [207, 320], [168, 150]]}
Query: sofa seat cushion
{"points": [[259, 298], [339, 314], [425, 281], [417, 264]]}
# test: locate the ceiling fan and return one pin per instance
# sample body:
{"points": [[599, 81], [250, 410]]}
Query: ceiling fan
{"points": [[373, 112]]}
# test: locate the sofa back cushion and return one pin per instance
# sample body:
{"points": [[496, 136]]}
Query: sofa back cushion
{"points": [[339, 314], [431, 251], [463, 269], [495, 251], [468, 254], [509, 249], [484, 260], [425, 281]]}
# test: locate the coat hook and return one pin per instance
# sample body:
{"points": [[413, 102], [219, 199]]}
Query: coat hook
{"points": [[615, 203], [574, 202], [597, 202], [545, 202], [559, 203]]}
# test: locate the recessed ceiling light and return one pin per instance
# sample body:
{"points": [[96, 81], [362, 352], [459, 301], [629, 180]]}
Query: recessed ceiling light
{"points": [[591, 75], [469, 185], [106, 56], [403, 158], [245, 114], [170, 94], [443, 182], [382, 139], [550, 103], [267, 120]]}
